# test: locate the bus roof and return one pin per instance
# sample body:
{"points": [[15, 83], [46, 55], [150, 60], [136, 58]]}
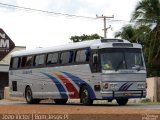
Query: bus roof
{"points": [[93, 44]]}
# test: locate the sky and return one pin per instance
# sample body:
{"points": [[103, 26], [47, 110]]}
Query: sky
{"points": [[36, 29]]}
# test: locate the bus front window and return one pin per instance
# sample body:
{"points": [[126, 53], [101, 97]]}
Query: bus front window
{"points": [[124, 58], [109, 61]]}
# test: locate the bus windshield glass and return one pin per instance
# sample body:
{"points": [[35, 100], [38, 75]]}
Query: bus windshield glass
{"points": [[121, 58]]}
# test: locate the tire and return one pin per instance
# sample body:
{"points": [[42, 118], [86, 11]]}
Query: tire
{"points": [[60, 101], [122, 101], [29, 97], [85, 96]]}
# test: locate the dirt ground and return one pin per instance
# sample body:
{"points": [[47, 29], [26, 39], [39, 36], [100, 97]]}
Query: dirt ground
{"points": [[74, 112]]}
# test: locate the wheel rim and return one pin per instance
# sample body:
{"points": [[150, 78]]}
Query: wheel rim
{"points": [[85, 96], [28, 95]]}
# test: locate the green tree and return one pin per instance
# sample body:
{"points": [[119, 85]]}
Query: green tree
{"points": [[135, 34], [85, 37], [127, 32], [147, 12]]}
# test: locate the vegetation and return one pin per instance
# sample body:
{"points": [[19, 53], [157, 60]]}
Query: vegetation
{"points": [[84, 37], [146, 31], [145, 100]]}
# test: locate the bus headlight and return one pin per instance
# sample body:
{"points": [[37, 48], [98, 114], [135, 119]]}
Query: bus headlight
{"points": [[141, 85], [113, 86], [105, 85]]}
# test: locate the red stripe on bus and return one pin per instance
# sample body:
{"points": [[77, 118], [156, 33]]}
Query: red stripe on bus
{"points": [[70, 87]]}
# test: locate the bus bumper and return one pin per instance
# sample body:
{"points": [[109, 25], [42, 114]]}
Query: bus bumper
{"points": [[123, 94]]}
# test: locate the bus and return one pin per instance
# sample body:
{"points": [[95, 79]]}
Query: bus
{"points": [[103, 69]]}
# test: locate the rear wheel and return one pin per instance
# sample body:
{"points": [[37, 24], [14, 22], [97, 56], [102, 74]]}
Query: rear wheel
{"points": [[122, 101], [29, 97], [60, 101], [85, 96]]}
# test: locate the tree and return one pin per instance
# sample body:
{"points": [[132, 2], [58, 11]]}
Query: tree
{"points": [[85, 37], [147, 12], [127, 32], [135, 34]]}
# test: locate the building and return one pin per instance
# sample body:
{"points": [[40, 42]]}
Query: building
{"points": [[7, 46]]}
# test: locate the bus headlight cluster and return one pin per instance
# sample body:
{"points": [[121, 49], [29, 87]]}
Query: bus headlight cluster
{"points": [[141, 85], [113, 86], [105, 85]]}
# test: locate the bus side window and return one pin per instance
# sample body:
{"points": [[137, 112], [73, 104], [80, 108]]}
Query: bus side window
{"points": [[42, 60], [28, 61], [78, 52], [82, 55], [23, 62], [66, 57], [39, 60], [49, 58], [88, 53], [15, 62], [52, 58], [71, 56]]}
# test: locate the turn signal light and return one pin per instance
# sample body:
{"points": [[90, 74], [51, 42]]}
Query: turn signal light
{"points": [[105, 85]]}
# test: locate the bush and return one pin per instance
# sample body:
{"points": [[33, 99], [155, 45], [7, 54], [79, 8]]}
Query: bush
{"points": [[145, 100], [153, 70]]}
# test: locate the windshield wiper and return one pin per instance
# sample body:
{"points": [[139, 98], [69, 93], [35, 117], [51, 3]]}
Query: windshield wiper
{"points": [[123, 60], [137, 67], [119, 64]]}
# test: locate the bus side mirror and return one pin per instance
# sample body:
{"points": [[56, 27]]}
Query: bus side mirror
{"points": [[95, 60]]}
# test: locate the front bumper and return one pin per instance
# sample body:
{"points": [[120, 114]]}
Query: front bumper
{"points": [[123, 94]]}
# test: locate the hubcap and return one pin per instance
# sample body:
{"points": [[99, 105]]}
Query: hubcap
{"points": [[85, 96], [28, 96]]}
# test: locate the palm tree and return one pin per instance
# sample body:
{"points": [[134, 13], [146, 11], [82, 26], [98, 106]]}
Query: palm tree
{"points": [[127, 32], [136, 35], [147, 12]]}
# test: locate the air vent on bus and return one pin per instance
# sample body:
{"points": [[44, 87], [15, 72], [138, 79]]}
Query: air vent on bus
{"points": [[111, 40], [122, 45]]}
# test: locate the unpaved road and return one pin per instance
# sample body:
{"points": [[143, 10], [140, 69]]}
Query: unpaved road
{"points": [[47, 111]]}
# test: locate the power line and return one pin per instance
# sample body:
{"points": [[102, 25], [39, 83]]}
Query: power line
{"points": [[57, 13], [43, 11]]}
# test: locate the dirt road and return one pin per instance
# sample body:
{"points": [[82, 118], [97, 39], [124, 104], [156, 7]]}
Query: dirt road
{"points": [[23, 111]]}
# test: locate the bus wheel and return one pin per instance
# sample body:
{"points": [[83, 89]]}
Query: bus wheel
{"points": [[29, 98], [122, 101], [85, 97], [60, 101]]}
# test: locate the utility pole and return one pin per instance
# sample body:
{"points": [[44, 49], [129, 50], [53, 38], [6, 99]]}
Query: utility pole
{"points": [[104, 19]]}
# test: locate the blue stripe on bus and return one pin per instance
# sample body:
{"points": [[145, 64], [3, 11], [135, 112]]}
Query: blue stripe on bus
{"points": [[59, 86], [125, 86], [79, 81]]}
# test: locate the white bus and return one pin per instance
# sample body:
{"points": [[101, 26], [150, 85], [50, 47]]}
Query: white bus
{"points": [[104, 69]]}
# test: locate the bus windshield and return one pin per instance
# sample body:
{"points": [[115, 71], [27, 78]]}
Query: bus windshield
{"points": [[121, 58]]}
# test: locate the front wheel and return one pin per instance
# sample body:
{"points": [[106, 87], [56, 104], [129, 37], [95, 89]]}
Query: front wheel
{"points": [[29, 97], [122, 101], [85, 96]]}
